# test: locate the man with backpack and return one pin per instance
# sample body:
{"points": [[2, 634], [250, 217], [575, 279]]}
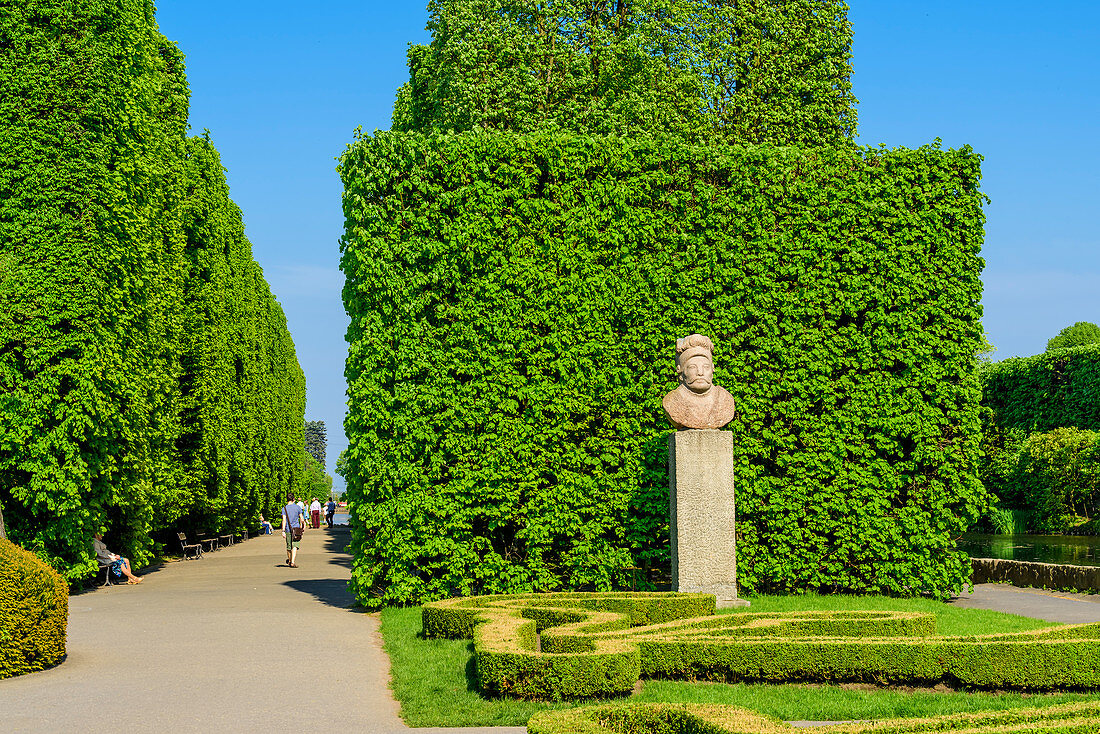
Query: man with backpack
{"points": [[294, 523]]}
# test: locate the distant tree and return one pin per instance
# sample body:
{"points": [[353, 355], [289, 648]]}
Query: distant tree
{"points": [[3, 531], [316, 443], [342, 464], [1083, 332], [315, 481]]}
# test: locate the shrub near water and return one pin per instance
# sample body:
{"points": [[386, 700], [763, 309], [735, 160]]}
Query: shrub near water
{"points": [[34, 612], [514, 302]]}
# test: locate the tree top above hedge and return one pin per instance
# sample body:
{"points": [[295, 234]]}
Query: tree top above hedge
{"points": [[1080, 334], [773, 71]]}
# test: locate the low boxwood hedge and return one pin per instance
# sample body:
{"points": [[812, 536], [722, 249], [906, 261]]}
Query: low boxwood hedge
{"points": [[34, 612], [564, 646], [666, 718]]}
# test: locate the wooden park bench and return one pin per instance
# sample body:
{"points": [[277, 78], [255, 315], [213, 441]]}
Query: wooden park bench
{"points": [[212, 541], [193, 548]]}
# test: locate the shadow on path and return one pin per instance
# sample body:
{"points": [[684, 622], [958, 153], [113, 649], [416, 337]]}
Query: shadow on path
{"points": [[336, 541], [332, 592]]}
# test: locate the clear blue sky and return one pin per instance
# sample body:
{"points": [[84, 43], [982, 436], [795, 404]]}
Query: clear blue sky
{"points": [[281, 86]]}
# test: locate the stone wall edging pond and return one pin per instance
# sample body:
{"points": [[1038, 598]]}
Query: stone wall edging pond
{"points": [[1040, 575]]}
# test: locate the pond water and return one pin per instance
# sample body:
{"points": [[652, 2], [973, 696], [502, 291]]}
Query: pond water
{"points": [[1076, 550]]}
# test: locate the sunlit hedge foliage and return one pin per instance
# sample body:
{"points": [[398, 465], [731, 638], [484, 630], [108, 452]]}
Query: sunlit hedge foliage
{"points": [[147, 378], [1056, 389], [1039, 446], [514, 302], [568, 646], [34, 612], [670, 718], [704, 71]]}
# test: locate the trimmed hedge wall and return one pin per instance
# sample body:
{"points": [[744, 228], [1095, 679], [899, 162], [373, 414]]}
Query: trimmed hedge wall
{"points": [[34, 612], [563, 646], [1059, 389], [514, 302], [1039, 446], [669, 718], [147, 379]]}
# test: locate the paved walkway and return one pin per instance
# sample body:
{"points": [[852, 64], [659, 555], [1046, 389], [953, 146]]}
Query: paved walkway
{"points": [[237, 641], [233, 642], [1053, 606]]}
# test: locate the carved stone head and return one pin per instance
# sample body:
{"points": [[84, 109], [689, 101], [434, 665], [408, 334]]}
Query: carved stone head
{"points": [[697, 402], [695, 363]]}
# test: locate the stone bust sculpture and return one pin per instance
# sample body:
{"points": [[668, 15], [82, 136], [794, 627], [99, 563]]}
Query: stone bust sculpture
{"points": [[697, 402]]}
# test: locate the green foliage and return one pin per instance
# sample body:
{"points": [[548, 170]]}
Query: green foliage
{"points": [[775, 71], [316, 443], [435, 680], [1005, 521], [1039, 454], [711, 719], [1058, 478], [34, 612], [241, 391], [147, 378], [514, 302], [1059, 389], [1080, 334], [315, 482], [562, 646], [342, 464]]}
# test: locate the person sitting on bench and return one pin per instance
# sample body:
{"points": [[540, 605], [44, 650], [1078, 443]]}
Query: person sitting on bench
{"points": [[118, 565], [265, 526]]}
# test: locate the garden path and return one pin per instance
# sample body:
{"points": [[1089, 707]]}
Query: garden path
{"points": [[1053, 606], [235, 641], [204, 645]]}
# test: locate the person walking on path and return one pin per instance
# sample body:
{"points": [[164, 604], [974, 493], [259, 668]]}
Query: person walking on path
{"points": [[330, 512], [294, 524], [315, 513]]}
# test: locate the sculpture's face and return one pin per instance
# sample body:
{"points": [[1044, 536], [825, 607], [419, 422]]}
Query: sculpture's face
{"points": [[698, 374]]}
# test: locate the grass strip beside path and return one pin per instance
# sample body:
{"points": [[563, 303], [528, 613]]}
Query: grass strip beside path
{"points": [[434, 680]]}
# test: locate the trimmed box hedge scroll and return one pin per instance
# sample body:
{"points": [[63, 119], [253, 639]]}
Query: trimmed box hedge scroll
{"points": [[514, 301], [564, 646], [667, 718]]}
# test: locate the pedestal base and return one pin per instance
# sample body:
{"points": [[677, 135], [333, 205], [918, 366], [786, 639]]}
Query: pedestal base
{"points": [[702, 516]]}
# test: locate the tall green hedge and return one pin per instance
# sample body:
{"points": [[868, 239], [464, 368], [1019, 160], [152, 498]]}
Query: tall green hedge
{"points": [[117, 244], [762, 71], [1056, 389], [241, 389], [514, 302]]}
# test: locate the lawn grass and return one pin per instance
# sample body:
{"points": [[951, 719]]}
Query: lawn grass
{"points": [[434, 679]]}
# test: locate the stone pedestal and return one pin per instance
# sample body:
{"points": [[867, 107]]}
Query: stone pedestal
{"points": [[700, 477]]}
